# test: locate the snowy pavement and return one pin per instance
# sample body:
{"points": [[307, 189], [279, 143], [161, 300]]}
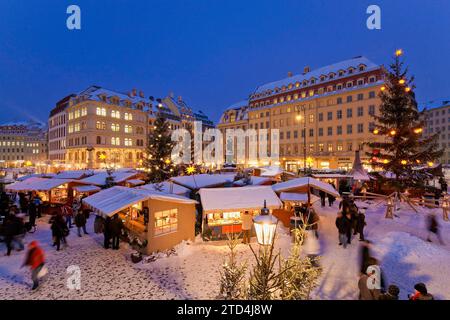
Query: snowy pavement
{"points": [[193, 273]]}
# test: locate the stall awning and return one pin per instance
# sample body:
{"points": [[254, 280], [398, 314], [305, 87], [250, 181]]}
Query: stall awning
{"points": [[87, 188], [36, 184], [297, 197], [238, 199], [302, 184], [113, 200]]}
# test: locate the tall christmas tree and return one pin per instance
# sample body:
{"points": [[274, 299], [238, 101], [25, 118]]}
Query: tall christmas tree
{"points": [[400, 122], [159, 148]]}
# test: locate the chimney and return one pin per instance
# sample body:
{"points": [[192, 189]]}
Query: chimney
{"points": [[289, 74], [133, 92], [171, 94], [141, 93], [306, 70], [180, 98]]}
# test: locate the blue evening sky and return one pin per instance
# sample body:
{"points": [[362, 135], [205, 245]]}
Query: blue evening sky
{"points": [[211, 52]]}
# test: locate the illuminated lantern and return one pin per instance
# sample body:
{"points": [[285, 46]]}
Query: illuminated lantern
{"points": [[265, 226], [393, 132], [403, 162], [418, 130], [407, 89], [399, 52], [402, 81], [376, 131]]}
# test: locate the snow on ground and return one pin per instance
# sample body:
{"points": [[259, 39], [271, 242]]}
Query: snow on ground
{"points": [[193, 272]]}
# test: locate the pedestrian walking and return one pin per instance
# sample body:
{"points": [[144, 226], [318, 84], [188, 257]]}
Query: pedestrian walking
{"points": [[116, 231], [342, 225], [35, 258], [59, 231], [322, 195], [433, 228], [80, 222], [67, 212], [348, 227], [361, 223]]}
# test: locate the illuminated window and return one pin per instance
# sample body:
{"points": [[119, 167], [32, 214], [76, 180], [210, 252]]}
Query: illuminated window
{"points": [[128, 142], [115, 127], [128, 129], [166, 221], [100, 112], [115, 114], [115, 141], [128, 116]]}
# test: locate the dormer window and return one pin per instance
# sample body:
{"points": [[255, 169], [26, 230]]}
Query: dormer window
{"points": [[323, 78], [277, 89], [290, 86], [305, 83], [283, 88], [297, 84], [312, 80], [350, 70], [331, 75], [362, 67], [341, 73]]}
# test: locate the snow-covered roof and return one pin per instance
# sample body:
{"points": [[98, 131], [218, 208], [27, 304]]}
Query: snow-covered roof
{"points": [[254, 181], [73, 174], [273, 171], [303, 184], [87, 188], [99, 179], [238, 199], [36, 184], [36, 175], [113, 200], [342, 65], [135, 182], [329, 175], [297, 197], [167, 187], [198, 181], [238, 105], [358, 172]]}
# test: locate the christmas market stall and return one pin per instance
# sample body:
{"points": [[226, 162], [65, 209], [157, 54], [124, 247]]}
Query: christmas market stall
{"points": [[74, 174], [223, 207], [52, 192], [170, 218], [198, 181], [300, 191], [85, 190]]}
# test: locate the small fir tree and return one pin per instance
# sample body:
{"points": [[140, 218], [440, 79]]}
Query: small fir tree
{"points": [[401, 123], [232, 276], [301, 274], [158, 156]]}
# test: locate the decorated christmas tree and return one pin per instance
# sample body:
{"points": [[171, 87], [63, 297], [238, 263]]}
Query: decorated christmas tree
{"points": [[404, 148], [159, 148]]}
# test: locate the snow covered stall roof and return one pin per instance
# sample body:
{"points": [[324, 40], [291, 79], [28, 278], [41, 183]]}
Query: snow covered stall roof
{"points": [[303, 184], [237, 199], [198, 181], [113, 200], [297, 197], [166, 187], [36, 184], [87, 188], [99, 179], [73, 174]]}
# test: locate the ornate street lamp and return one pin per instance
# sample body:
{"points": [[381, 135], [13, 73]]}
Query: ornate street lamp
{"points": [[265, 226]]}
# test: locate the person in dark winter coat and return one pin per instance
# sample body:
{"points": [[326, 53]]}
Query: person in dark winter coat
{"points": [[348, 227], [107, 232], [13, 232], [116, 231], [360, 224], [32, 213], [342, 226], [433, 228], [59, 231], [322, 195], [146, 215], [421, 293], [391, 294], [35, 259], [80, 222]]}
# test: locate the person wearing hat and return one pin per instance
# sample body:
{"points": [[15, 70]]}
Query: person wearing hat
{"points": [[391, 294], [421, 293]]}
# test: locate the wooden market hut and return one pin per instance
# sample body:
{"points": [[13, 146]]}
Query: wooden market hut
{"points": [[171, 217], [222, 207]]}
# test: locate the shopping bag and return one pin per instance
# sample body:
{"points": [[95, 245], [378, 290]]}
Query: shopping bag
{"points": [[42, 272]]}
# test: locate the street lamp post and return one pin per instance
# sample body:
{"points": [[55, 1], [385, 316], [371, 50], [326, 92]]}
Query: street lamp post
{"points": [[265, 226], [299, 118]]}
